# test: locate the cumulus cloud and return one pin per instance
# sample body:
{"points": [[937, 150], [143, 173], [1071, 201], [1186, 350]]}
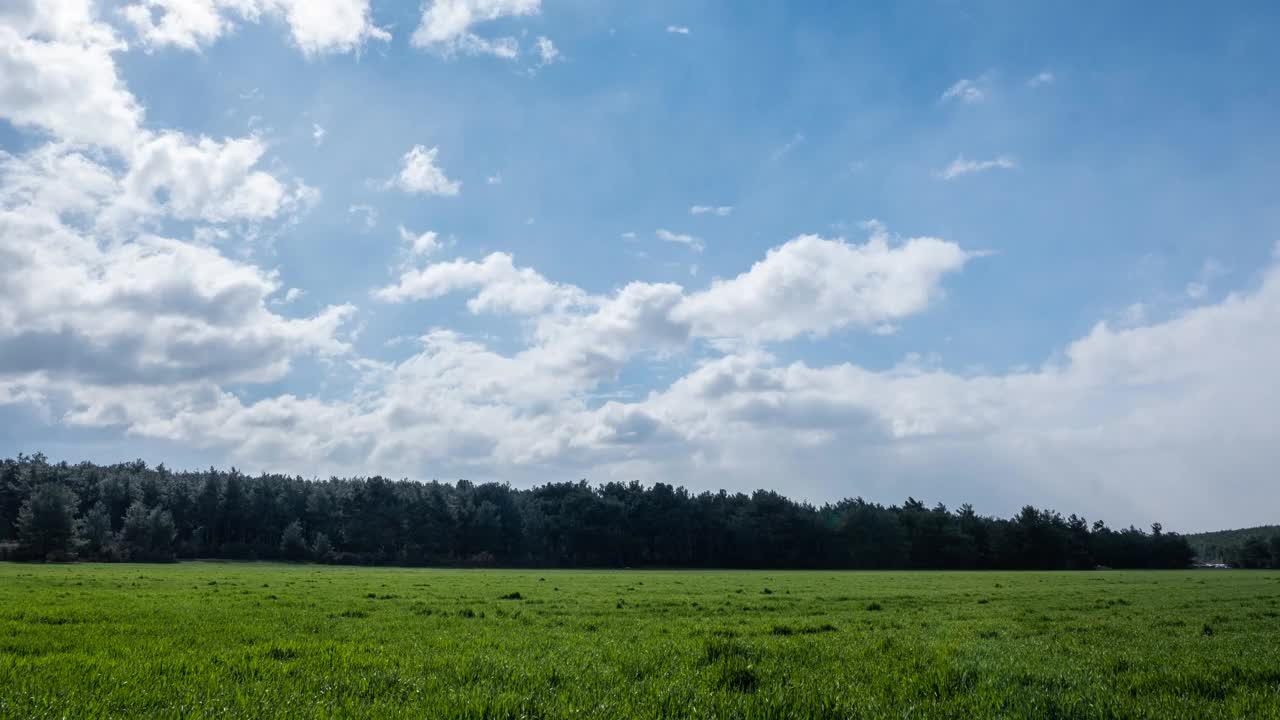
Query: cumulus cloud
{"points": [[57, 74], [961, 166], [419, 174], [330, 26], [316, 26], [420, 244], [53, 180], [1124, 422], [584, 339], [806, 286], [502, 286], [189, 24], [150, 311], [446, 26], [91, 301], [1119, 425], [205, 179], [719, 211], [1127, 424], [678, 29], [814, 286]]}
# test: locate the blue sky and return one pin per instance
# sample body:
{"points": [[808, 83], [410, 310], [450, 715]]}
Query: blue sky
{"points": [[988, 252]]}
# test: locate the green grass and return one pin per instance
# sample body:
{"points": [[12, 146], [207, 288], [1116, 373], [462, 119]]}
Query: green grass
{"points": [[275, 641]]}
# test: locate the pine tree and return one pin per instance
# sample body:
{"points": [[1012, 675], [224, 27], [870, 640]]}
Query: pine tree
{"points": [[47, 522], [293, 543], [95, 530]]}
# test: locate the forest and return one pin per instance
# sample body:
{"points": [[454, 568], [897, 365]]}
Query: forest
{"points": [[1250, 548], [133, 512]]}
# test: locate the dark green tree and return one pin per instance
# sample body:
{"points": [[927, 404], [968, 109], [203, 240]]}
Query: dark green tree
{"points": [[293, 543], [161, 514], [148, 533], [95, 530], [46, 522], [1254, 553], [163, 533], [136, 532]]}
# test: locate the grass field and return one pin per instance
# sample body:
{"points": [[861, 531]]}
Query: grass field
{"points": [[277, 641]]}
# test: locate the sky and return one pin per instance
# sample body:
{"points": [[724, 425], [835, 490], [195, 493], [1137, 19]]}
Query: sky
{"points": [[989, 252]]}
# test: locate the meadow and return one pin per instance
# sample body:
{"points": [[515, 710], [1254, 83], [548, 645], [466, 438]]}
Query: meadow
{"points": [[237, 640]]}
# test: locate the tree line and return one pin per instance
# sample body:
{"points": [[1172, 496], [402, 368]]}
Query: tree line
{"points": [[129, 511], [1255, 552], [1251, 547]]}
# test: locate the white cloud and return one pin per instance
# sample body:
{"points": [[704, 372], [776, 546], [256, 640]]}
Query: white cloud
{"points": [[151, 311], [629, 235], [330, 26], [57, 74], [420, 174], [1120, 425], [189, 24], [316, 26], [54, 180], [667, 236], [1040, 79], [446, 26], [1117, 427], [90, 301], [203, 179], [678, 29], [420, 244], [495, 179], [720, 211], [961, 167], [965, 91], [807, 286], [502, 286], [813, 286], [317, 133], [547, 52]]}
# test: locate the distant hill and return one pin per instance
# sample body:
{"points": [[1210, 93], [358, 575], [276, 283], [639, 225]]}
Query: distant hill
{"points": [[1212, 546]]}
